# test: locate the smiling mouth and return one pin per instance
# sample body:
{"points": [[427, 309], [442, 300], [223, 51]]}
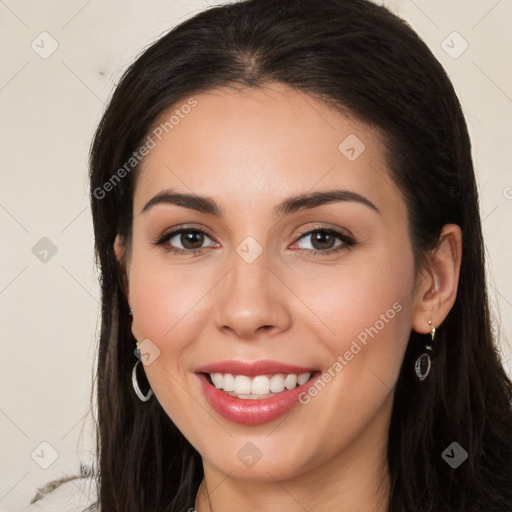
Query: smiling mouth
{"points": [[258, 387]]}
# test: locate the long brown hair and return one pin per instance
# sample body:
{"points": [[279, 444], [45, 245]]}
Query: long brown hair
{"points": [[357, 57]]}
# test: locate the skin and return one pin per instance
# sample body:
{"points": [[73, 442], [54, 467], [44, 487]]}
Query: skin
{"points": [[249, 150]]}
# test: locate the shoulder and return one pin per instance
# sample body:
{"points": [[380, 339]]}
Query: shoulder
{"points": [[70, 494]]}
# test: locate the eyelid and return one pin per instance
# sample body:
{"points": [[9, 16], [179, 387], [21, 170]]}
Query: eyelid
{"points": [[174, 230], [323, 227], [168, 234], [344, 236], [346, 240]]}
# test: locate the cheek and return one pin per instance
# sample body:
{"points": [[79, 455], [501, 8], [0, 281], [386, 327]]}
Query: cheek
{"points": [[165, 299], [368, 312], [171, 309], [370, 316], [167, 307]]}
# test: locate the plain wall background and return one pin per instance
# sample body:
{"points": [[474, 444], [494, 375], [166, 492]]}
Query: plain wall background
{"points": [[50, 108]]}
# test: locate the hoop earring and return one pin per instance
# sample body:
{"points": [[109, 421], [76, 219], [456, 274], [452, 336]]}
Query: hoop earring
{"points": [[135, 383], [424, 362]]}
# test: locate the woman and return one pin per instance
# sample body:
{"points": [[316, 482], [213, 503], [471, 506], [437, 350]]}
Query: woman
{"points": [[287, 226]]}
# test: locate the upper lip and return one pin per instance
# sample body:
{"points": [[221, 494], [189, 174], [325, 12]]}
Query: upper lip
{"points": [[253, 368]]}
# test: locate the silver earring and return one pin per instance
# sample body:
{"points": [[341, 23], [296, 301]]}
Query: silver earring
{"points": [[138, 392], [424, 362]]}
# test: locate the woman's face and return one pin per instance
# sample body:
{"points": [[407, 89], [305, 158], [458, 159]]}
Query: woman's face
{"points": [[302, 265]]}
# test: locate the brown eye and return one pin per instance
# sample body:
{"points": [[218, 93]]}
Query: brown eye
{"points": [[191, 239], [185, 240], [324, 241]]}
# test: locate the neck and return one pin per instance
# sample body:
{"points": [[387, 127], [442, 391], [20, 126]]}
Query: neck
{"points": [[356, 478]]}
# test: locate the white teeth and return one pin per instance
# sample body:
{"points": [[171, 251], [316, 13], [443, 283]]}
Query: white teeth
{"points": [[228, 384], [242, 385], [302, 378], [277, 383], [259, 386], [291, 381], [217, 380]]}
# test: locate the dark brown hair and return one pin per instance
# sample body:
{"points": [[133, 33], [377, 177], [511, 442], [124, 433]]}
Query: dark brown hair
{"points": [[361, 59]]}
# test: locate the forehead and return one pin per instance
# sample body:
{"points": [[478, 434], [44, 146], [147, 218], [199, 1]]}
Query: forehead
{"points": [[252, 145]]}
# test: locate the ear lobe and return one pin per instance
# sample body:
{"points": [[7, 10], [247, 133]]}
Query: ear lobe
{"points": [[120, 252], [119, 249], [437, 291]]}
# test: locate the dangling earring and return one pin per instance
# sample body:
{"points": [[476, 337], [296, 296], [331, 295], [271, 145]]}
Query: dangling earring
{"points": [[138, 392], [423, 363], [143, 397]]}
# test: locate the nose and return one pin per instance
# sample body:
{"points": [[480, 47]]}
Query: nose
{"points": [[252, 301]]}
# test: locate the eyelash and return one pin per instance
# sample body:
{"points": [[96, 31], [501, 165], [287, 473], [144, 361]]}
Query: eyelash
{"points": [[346, 240]]}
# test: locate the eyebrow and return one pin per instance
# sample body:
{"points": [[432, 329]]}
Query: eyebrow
{"points": [[291, 205]]}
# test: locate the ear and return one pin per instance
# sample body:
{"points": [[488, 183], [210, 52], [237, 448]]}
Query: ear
{"points": [[120, 252], [437, 286]]}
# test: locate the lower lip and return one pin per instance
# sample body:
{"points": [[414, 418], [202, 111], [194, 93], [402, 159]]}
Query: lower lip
{"points": [[249, 411]]}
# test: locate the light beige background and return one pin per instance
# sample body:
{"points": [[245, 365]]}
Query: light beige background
{"points": [[49, 108]]}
